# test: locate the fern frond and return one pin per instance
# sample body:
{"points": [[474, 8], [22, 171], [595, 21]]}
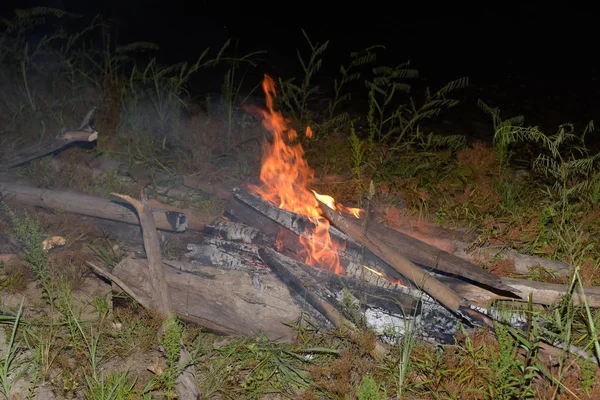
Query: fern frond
{"points": [[460, 83], [136, 47]]}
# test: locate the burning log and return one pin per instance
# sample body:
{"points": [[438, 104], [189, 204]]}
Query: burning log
{"points": [[85, 133], [254, 211], [386, 305], [419, 277]]}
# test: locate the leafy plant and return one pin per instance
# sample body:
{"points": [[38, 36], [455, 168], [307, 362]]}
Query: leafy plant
{"points": [[232, 85], [370, 390], [296, 97], [29, 234], [394, 137]]}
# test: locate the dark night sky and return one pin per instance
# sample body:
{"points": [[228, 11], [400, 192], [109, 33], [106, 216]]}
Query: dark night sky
{"points": [[484, 41]]}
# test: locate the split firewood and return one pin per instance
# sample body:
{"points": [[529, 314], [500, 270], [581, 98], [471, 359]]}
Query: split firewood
{"points": [[85, 133], [186, 387], [423, 280]]}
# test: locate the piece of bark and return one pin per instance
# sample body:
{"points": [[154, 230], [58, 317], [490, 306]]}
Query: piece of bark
{"points": [[87, 205], [85, 133], [186, 387], [429, 284]]}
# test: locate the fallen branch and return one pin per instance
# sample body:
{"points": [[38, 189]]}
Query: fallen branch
{"points": [[85, 133], [88, 205], [186, 387]]}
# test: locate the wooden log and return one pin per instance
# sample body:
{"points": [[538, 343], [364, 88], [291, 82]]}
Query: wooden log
{"points": [[357, 270], [305, 286], [88, 205], [287, 226], [429, 284], [430, 256], [267, 217], [543, 293], [552, 293], [244, 256], [85, 133], [227, 302]]}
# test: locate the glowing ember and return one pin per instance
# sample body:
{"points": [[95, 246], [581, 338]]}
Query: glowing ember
{"points": [[394, 281], [286, 176]]}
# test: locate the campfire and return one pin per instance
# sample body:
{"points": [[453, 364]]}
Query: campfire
{"points": [[287, 177], [284, 226], [282, 251]]}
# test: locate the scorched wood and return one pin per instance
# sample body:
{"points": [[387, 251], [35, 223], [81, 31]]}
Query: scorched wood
{"points": [[430, 256], [386, 305], [430, 321], [221, 233], [432, 286], [266, 216], [286, 227]]}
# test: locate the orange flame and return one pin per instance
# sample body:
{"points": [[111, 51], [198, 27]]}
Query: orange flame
{"points": [[286, 176]]}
